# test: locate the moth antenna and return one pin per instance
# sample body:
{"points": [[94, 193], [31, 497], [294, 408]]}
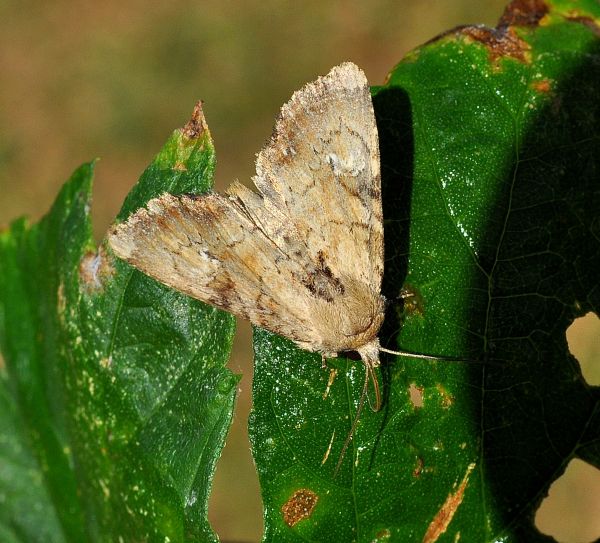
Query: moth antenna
{"points": [[440, 357], [368, 374], [409, 354]]}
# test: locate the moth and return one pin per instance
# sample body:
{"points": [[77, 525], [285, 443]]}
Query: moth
{"points": [[302, 256]]}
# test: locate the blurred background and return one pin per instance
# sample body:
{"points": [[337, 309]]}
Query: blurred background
{"points": [[112, 79]]}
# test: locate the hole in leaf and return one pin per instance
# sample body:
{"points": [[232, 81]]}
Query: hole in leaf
{"points": [[415, 394], [571, 512], [583, 337]]}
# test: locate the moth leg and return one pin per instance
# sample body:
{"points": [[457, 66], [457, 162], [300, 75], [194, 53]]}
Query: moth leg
{"points": [[409, 300], [406, 293], [372, 377], [324, 357]]}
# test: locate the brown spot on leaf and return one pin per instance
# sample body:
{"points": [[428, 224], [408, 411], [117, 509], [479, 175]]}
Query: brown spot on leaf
{"points": [[106, 362], [61, 301], [447, 398], [500, 42], [503, 41], [587, 21], [180, 167], [382, 535], [543, 86], [418, 468], [196, 126], [328, 451], [444, 516], [94, 269], [299, 506], [523, 13]]}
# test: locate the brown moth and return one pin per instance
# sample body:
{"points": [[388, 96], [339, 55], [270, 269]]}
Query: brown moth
{"points": [[303, 256]]}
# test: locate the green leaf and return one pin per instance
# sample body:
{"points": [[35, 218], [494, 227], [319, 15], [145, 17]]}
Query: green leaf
{"points": [[26, 510], [491, 192], [119, 399]]}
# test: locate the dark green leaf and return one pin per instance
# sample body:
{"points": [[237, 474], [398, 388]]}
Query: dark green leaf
{"points": [[122, 398], [491, 193]]}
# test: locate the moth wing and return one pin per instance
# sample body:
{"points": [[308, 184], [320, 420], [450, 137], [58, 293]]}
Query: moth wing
{"points": [[321, 168], [210, 248], [304, 256]]}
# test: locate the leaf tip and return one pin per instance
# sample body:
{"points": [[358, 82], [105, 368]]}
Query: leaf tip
{"points": [[526, 13], [196, 126]]}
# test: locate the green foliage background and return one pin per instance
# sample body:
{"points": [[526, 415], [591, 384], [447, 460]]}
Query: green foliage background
{"points": [[465, 175]]}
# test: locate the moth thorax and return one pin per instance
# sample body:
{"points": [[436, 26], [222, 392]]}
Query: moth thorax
{"points": [[352, 319]]}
